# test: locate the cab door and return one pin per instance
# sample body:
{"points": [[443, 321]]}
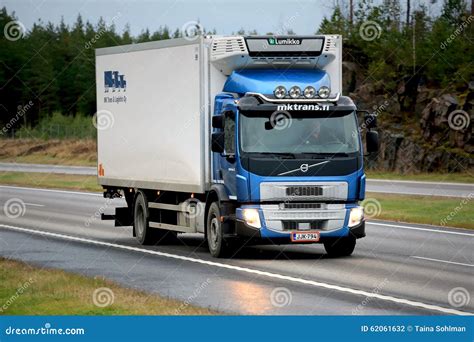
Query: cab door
{"points": [[228, 158]]}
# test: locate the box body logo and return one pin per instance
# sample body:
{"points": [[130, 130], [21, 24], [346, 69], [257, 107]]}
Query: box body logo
{"points": [[113, 81], [284, 41]]}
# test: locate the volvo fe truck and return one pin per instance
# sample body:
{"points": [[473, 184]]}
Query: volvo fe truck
{"points": [[247, 140]]}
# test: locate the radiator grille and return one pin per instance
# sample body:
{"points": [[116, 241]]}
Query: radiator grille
{"points": [[304, 191], [301, 206]]}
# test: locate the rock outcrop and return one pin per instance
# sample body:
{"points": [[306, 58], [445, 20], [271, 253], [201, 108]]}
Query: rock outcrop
{"points": [[423, 132]]}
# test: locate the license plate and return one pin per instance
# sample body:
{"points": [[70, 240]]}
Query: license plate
{"points": [[304, 237]]}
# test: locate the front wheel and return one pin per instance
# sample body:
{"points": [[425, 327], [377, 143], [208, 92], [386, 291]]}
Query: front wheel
{"points": [[214, 233], [340, 247]]}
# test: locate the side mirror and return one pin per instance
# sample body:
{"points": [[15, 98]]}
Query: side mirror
{"points": [[372, 141], [218, 121], [370, 121], [217, 142]]}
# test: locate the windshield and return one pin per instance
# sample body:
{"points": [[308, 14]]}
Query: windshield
{"points": [[306, 133]]}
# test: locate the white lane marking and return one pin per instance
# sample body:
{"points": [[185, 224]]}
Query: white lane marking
{"points": [[251, 271], [34, 204], [418, 228], [443, 261], [52, 190], [394, 181]]}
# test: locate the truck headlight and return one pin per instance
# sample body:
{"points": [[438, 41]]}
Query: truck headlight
{"points": [[324, 92], [279, 92], [356, 216], [309, 92], [294, 92], [252, 217]]}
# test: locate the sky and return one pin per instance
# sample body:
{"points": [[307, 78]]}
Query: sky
{"points": [[227, 17]]}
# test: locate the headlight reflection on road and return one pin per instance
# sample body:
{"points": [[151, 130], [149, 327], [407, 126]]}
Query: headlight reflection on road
{"points": [[253, 299]]}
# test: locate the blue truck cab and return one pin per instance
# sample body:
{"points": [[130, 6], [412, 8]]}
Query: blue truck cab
{"points": [[287, 159]]}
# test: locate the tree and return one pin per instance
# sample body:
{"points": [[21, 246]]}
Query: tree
{"points": [[453, 11]]}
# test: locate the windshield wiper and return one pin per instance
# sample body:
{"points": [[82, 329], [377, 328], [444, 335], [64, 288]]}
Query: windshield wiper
{"points": [[324, 155]]}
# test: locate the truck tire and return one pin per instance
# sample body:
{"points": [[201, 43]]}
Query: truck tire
{"points": [[144, 234], [340, 247], [218, 247]]}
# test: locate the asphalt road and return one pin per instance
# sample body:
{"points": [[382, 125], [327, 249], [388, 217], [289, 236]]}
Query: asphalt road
{"points": [[420, 188], [373, 185], [396, 269]]}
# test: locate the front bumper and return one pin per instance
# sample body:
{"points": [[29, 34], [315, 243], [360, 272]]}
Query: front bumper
{"points": [[254, 234], [275, 234]]}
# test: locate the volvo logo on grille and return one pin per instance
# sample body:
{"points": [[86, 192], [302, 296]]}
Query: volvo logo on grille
{"points": [[304, 168]]}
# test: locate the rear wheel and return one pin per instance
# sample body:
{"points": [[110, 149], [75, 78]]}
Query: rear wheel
{"points": [[340, 247], [144, 234], [218, 247]]}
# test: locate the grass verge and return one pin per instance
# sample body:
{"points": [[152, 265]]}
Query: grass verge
{"points": [[462, 177], [50, 181], [28, 290], [81, 152], [439, 211]]}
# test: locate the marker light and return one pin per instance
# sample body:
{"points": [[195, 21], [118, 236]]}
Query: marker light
{"points": [[279, 92], [309, 92], [252, 218], [356, 216], [295, 92], [324, 92]]}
